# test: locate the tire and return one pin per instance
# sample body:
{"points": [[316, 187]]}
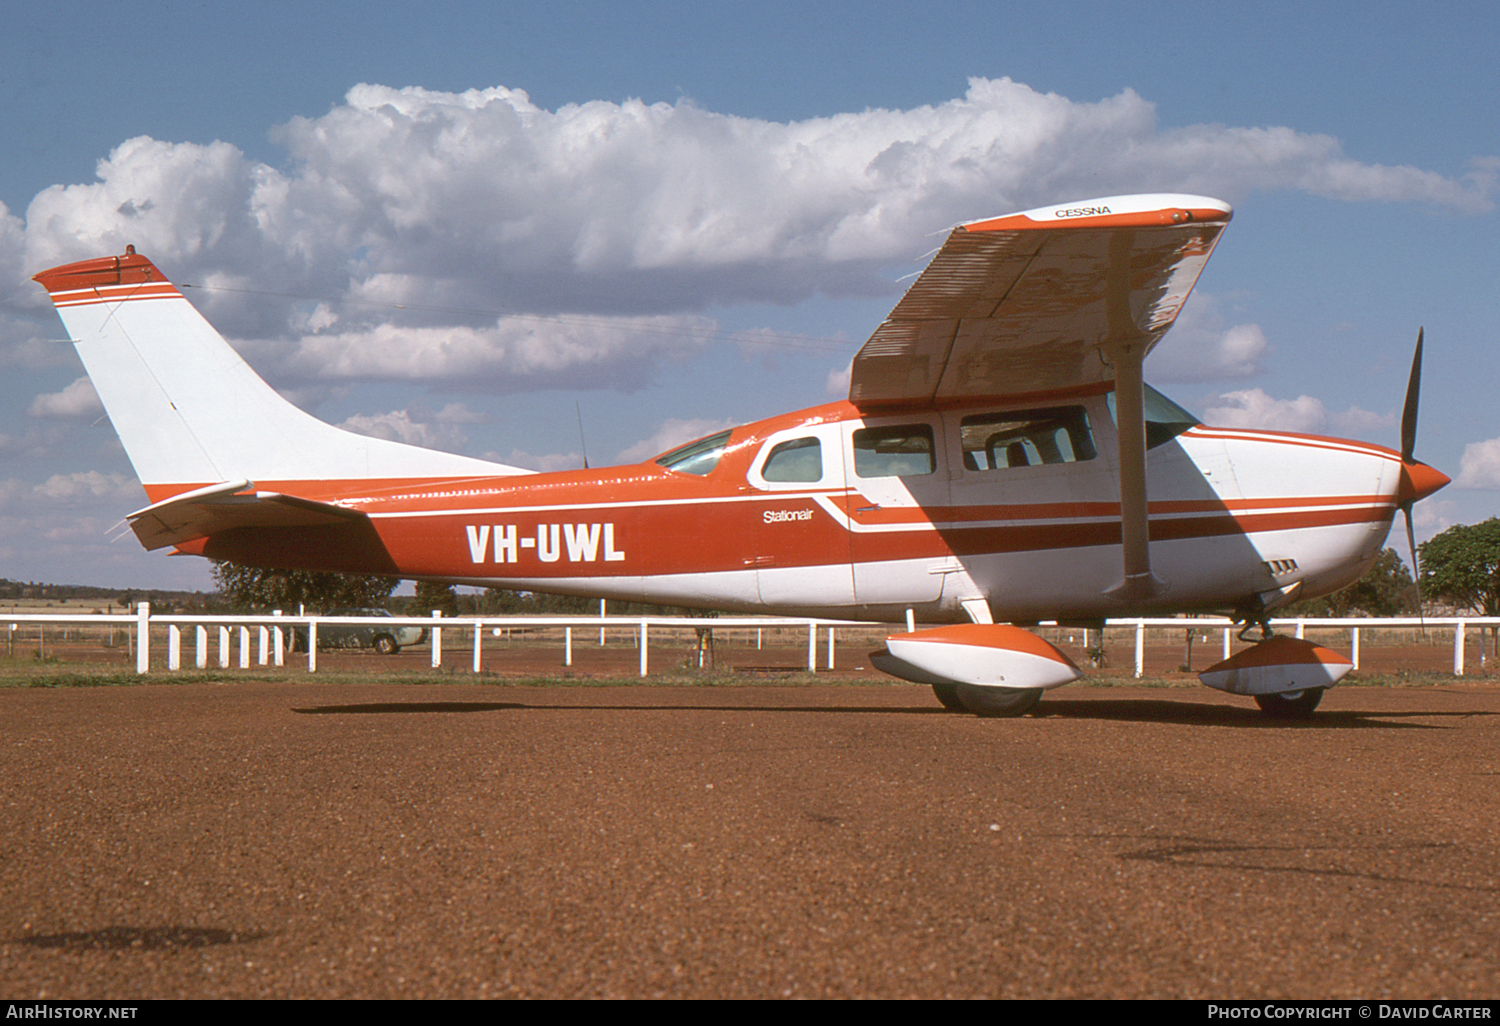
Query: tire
{"points": [[998, 703], [386, 645], [948, 695], [1290, 705]]}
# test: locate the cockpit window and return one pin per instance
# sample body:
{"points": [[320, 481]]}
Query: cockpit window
{"points": [[698, 457], [900, 450], [1026, 438], [1165, 420], [801, 459]]}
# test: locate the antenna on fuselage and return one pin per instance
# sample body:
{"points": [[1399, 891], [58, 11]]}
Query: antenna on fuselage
{"points": [[581, 444]]}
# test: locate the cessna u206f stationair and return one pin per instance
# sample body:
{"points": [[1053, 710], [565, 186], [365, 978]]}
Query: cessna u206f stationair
{"points": [[999, 461]]}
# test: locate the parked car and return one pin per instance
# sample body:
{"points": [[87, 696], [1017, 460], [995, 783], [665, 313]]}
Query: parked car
{"points": [[383, 639]]}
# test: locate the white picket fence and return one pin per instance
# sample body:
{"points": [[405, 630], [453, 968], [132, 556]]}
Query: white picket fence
{"points": [[266, 639], [271, 633]]}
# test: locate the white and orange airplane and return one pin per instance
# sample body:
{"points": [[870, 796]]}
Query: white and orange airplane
{"points": [[999, 462]]}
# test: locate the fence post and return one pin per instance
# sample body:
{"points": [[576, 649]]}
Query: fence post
{"points": [[1140, 649], [262, 655], [830, 647], [1458, 649], [643, 646], [478, 640], [567, 646], [244, 648], [174, 647], [223, 648], [278, 642], [200, 653], [1354, 646], [142, 637], [437, 641], [1301, 629], [812, 646], [312, 646]]}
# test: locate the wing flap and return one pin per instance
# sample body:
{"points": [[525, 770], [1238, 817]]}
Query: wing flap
{"points": [[208, 511], [1032, 302]]}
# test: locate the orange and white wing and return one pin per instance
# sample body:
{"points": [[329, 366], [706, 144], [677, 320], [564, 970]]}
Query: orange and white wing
{"points": [[1030, 303]]}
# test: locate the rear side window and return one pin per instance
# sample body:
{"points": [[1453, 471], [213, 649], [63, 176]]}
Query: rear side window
{"points": [[801, 459], [1026, 438], [899, 450]]}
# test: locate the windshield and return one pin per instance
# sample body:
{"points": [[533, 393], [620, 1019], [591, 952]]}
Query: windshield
{"points": [[1165, 420], [698, 457]]}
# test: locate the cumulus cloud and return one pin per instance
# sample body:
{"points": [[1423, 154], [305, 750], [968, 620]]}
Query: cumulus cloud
{"points": [[531, 461], [418, 425], [672, 433], [1200, 346], [1357, 423], [77, 400], [1479, 467], [87, 484], [838, 380], [463, 206], [1254, 408], [402, 426], [33, 444], [515, 352]]}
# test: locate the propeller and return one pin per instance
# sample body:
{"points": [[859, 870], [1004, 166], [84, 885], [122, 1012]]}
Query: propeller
{"points": [[1409, 413], [1417, 479]]}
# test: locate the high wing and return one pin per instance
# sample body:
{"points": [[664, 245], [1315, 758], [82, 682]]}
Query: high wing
{"points": [[221, 507], [1040, 301]]}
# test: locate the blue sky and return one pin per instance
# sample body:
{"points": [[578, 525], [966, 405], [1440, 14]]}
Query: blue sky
{"points": [[677, 175]]}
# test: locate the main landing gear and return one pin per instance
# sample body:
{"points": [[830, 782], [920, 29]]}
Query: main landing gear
{"points": [[987, 702], [1290, 705]]}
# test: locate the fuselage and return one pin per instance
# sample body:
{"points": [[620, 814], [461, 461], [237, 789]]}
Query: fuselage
{"points": [[1009, 510]]}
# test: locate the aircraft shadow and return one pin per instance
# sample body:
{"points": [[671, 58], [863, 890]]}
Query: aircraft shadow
{"points": [[140, 938], [1195, 713], [412, 707], [1225, 854], [1123, 710]]}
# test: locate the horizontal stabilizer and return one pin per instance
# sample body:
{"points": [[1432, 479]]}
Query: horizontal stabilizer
{"points": [[220, 507]]}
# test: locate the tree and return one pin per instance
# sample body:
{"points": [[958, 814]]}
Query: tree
{"points": [[249, 587], [1385, 590], [1462, 566], [431, 596]]}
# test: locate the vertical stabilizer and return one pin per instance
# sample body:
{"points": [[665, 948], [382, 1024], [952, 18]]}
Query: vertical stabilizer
{"points": [[189, 410]]}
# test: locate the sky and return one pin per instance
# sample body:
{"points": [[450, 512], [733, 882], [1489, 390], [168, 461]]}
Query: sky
{"points": [[527, 231]]}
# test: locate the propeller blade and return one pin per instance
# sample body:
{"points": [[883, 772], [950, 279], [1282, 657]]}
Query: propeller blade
{"points": [[1416, 570], [1409, 414]]}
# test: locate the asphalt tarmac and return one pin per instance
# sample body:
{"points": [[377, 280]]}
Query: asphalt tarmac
{"points": [[305, 840]]}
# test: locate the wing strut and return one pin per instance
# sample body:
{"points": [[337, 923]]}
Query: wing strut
{"points": [[1139, 583]]}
